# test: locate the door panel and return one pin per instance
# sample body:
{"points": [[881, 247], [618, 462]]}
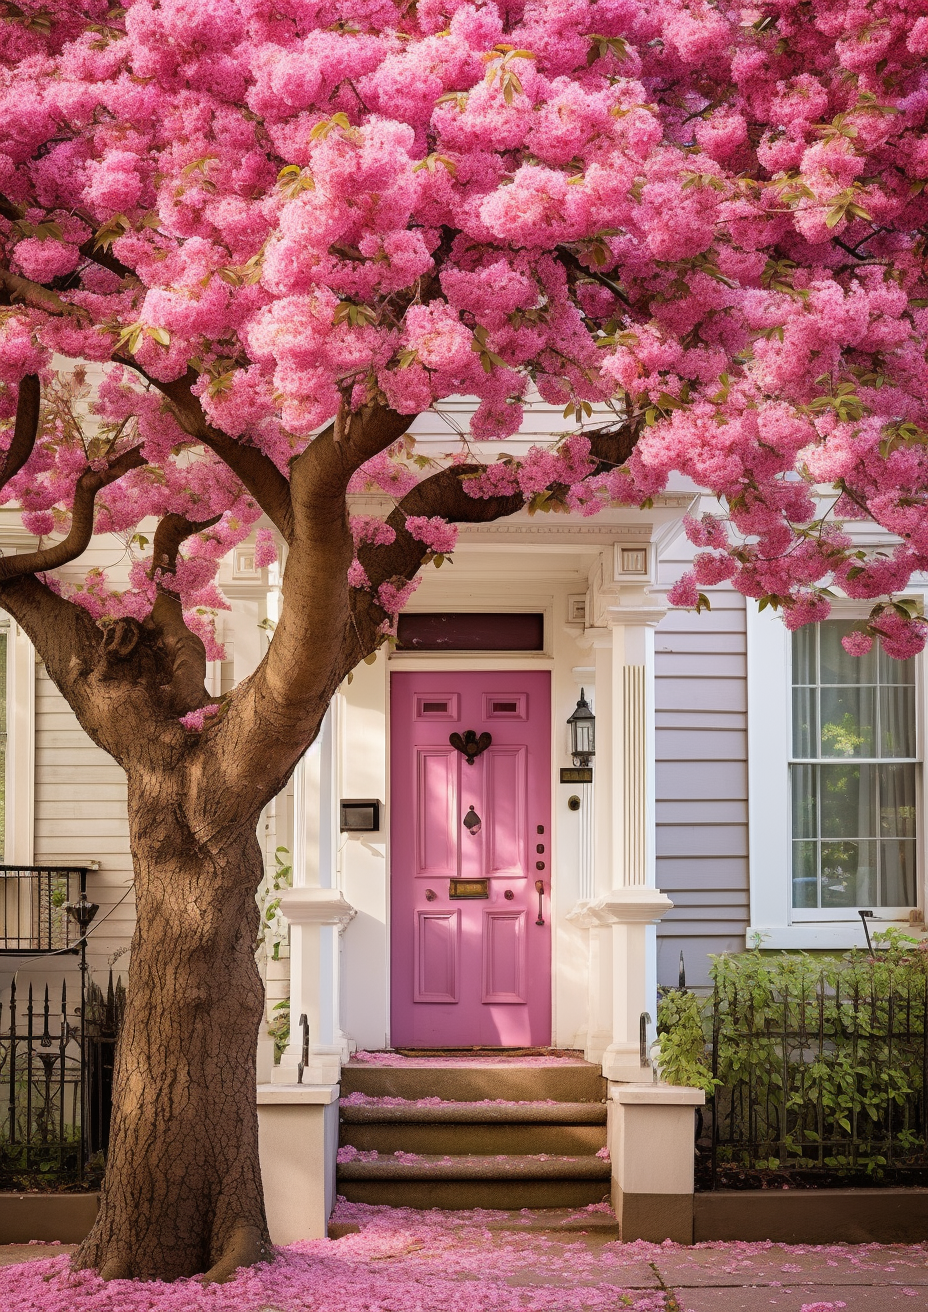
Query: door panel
{"points": [[438, 935], [504, 956], [435, 812], [470, 965], [506, 823]]}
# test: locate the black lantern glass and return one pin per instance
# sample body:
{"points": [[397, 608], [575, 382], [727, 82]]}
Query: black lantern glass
{"points": [[582, 732]]}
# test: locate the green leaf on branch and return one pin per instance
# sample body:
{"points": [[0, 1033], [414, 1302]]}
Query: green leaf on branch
{"points": [[600, 46], [431, 163]]}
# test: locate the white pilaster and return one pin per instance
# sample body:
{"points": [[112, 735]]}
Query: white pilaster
{"points": [[625, 905]]}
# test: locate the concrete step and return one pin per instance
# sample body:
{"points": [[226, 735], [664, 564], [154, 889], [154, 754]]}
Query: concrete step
{"points": [[457, 1082], [476, 1166], [463, 1113], [474, 1137], [474, 1180], [460, 1195]]}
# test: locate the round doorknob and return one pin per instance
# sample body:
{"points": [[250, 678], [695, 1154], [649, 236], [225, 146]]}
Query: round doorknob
{"points": [[509, 895], [430, 895]]}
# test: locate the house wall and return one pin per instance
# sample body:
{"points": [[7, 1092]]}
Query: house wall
{"points": [[702, 791]]}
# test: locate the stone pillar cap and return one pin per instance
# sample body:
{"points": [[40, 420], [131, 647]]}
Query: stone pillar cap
{"points": [[316, 906], [668, 1094]]}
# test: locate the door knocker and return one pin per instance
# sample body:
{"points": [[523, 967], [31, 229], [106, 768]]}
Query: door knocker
{"points": [[470, 746], [472, 822]]}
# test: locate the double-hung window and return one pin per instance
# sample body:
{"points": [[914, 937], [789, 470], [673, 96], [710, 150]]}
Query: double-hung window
{"points": [[854, 777]]}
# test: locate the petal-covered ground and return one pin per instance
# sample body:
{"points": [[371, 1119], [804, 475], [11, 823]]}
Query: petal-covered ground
{"points": [[399, 1260]]}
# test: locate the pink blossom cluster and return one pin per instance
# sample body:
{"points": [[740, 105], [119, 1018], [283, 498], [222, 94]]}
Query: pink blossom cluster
{"points": [[195, 721], [708, 222], [437, 534]]}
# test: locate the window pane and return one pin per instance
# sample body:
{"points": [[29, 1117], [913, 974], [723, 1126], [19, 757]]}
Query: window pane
{"points": [[805, 823], [805, 724], [897, 801], [848, 801], [854, 821], [896, 671], [836, 666], [897, 857], [848, 716], [804, 655], [897, 721], [848, 874], [805, 875]]}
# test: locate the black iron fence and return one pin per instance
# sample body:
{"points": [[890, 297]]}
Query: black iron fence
{"points": [[33, 902], [819, 1071], [56, 1072]]}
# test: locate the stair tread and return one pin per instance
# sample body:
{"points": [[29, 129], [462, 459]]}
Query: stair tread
{"points": [[465, 1113], [473, 1166]]}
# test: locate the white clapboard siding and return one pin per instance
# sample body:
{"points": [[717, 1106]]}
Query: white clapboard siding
{"points": [[701, 748], [80, 816]]}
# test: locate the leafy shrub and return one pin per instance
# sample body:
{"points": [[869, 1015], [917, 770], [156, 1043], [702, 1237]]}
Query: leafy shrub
{"points": [[818, 1061]]}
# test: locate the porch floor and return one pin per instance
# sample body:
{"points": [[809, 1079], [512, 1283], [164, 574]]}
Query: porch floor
{"points": [[494, 1261]]}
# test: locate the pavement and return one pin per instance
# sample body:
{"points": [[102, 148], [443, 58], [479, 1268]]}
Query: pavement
{"points": [[569, 1261]]}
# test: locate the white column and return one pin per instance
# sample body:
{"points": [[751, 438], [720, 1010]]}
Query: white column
{"points": [[632, 906], [318, 914], [622, 914]]}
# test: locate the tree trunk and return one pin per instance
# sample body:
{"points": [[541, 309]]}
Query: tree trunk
{"points": [[182, 1192]]}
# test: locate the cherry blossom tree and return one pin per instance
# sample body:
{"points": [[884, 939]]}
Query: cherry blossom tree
{"points": [[282, 230]]}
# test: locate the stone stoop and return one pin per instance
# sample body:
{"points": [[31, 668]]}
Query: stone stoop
{"points": [[507, 1136]]}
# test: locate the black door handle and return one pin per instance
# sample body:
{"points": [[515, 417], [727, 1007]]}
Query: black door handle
{"points": [[540, 890]]}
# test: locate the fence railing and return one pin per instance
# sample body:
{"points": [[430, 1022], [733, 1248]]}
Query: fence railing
{"points": [[32, 907], [56, 1072], [821, 1077]]}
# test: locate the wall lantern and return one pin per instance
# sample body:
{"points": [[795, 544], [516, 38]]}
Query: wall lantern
{"points": [[582, 732]]}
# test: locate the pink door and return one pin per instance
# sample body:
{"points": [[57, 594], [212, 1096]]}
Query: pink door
{"points": [[470, 860]]}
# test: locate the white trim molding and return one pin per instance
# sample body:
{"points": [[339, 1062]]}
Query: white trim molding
{"points": [[774, 925], [19, 846]]}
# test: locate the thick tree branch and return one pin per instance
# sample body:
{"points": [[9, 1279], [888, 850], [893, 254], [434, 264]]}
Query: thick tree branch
{"points": [[25, 429], [30, 293], [579, 268], [172, 532], [81, 530], [324, 469], [257, 472], [185, 651], [64, 635]]}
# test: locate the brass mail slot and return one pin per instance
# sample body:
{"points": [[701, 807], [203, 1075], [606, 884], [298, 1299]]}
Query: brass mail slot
{"points": [[469, 888]]}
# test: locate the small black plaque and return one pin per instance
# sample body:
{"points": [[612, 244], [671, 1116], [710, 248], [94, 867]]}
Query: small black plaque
{"points": [[577, 774], [359, 815]]}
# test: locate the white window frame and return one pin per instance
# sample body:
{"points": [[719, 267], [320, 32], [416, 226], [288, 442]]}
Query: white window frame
{"points": [[774, 924]]}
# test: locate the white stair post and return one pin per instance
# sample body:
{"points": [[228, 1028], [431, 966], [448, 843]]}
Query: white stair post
{"points": [[318, 913]]}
